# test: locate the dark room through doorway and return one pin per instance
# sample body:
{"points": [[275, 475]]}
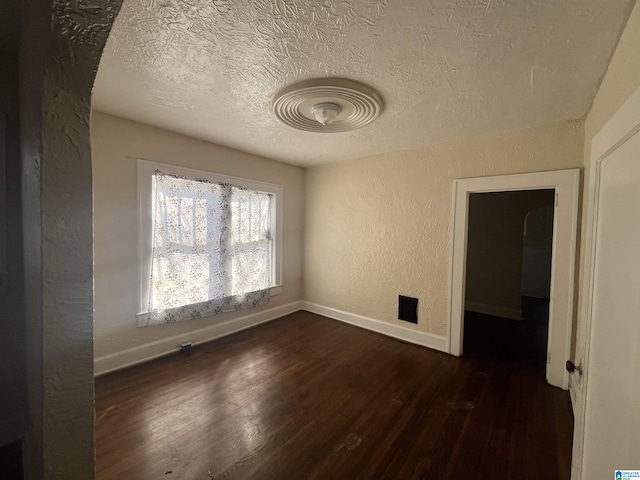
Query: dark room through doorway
{"points": [[508, 276]]}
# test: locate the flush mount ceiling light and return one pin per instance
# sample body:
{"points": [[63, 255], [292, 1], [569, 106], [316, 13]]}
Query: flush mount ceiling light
{"points": [[327, 105]]}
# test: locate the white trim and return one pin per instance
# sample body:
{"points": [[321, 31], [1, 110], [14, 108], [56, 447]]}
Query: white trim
{"points": [[611, 136], [159, 348], [424, 339], [566, 184], [145, 171], [494, 310], [620, 127]]}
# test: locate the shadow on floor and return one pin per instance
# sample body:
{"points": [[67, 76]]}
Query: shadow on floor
{"points": [[522, 342], [11, 461]]}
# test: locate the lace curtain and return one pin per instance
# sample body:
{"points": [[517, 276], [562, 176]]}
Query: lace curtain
{"points": [[211, 250]]}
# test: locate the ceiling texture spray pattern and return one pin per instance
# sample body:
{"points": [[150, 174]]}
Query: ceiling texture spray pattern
{"points": [[446, 68]]}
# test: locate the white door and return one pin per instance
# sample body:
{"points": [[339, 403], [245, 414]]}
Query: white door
{"points": [[612, 415]]}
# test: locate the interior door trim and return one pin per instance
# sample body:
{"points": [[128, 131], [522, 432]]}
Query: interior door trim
{"points": [[623, 125], [566, 184]]}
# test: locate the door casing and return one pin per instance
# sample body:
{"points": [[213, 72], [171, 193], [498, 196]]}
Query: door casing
{"points": [[623, 125], [566, 184]]}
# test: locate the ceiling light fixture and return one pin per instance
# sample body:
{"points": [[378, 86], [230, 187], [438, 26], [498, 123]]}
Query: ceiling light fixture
{"points": [[325, 113], [327, 105]]}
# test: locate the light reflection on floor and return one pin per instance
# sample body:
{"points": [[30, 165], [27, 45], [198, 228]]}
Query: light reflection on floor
{"points": [[188, 418]]}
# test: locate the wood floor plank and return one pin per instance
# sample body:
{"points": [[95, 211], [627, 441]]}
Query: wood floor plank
{"points": [[306, 397]]}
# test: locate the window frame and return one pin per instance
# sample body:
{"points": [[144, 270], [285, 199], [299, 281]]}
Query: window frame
{"points": [[145, 172]]}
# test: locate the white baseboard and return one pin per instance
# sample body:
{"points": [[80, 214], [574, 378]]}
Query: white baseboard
{"points": [[159, 348], [424, 339], [535, 294], [493, 310]]}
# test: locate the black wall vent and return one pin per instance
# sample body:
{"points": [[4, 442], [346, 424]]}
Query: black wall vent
{"points": [[408, 309]]}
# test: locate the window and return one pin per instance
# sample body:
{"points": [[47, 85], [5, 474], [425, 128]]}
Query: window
{"points": [[208, 243]]}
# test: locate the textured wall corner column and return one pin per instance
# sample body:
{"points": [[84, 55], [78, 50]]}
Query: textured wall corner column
{"points": [[60, 49]]}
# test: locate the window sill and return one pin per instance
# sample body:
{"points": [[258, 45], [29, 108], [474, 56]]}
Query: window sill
{"points": [[142, 316], [277, 290]]}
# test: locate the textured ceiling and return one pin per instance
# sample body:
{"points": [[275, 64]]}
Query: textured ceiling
{"points": [[446, 68]]}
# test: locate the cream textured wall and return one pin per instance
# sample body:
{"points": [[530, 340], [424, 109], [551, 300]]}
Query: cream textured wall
{"points": [[116, 144], [621, 80], [381, 226], [60, 47]]}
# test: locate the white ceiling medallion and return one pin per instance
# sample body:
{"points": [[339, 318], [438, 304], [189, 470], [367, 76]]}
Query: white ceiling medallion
{"points": [[327, 105]]}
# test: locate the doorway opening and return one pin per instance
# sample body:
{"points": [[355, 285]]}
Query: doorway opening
{"points": [[508, 276], [565, 187]]}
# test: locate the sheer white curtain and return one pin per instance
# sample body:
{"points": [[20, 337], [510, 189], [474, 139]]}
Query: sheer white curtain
{"points": [[211, 249]]}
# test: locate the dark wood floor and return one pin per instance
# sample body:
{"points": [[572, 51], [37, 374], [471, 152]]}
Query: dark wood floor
{"points": [[11, 461], [305, 397], [517, 342]]}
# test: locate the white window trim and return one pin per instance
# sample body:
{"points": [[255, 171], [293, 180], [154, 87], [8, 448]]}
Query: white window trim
{"points": [[146, 169]]}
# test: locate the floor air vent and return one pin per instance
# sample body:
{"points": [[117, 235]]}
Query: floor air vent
{"points": [[408, 309]]}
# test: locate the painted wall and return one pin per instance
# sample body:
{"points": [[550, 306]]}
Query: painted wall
{"points": [[495, 250], [620, 81], [385, 228], [116, 144], [12, 328], [61, 43], [537, 252], [58, 56]]}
